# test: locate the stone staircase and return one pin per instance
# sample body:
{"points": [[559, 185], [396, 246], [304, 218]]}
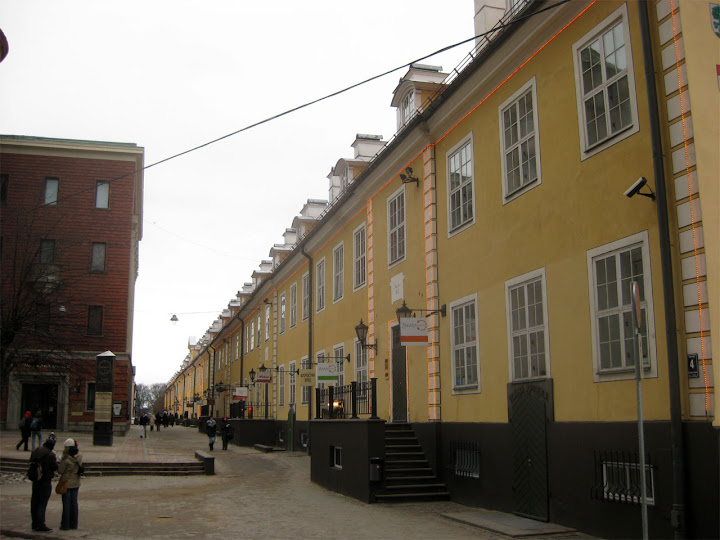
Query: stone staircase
{"points": [[408, 475], [14, 465]]}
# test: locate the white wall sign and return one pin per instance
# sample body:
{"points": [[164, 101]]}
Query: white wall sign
{"points": [[397, 289], [413, 331]]}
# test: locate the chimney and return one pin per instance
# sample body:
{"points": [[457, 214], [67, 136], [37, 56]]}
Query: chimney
{"points": [[487, 14]]}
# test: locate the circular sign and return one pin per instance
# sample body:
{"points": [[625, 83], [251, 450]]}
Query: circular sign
{"points": [[104, 367]]}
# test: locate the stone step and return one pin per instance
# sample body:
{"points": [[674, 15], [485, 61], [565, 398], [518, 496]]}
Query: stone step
{"points": [[406, 497]]}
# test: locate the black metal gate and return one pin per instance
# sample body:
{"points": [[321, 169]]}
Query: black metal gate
{"points": [[399, 379], [529, 444]]}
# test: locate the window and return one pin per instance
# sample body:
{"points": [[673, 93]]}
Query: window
{"points": [[336, 457], [605, 84], [267, 322], [408, 107], [47, 252], [90, 396], [320, 286], [464, 344], [519, 140], [618, 477], [281, 386], [282, 313], [252, 335], [98, 257], [291, 370], [345, 179], [339, 352], [102, 195], [338, 272], [259, 332], [527, 327], [95, 321], [306, 297], [361, 365], [396, 227], [4, 181], [306, 363], [247, 339], [293, 305], [611, 270], [51, 191], [359, 257], [460, 185]]}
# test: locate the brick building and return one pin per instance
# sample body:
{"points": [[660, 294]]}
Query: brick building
{"points": [[71, 218]]}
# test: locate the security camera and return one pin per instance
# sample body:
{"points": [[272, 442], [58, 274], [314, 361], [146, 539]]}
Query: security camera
{"points": [[635, 188]]}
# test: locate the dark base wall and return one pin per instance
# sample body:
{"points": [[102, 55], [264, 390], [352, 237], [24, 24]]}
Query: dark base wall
{"points": [[571, 470]]}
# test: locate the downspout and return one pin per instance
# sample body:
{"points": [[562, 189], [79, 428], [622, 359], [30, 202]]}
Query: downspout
{"points": [[679, 507], [310, 333], [211, 379]]}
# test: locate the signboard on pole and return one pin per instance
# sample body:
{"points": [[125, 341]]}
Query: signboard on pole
{"points": [[241, 392], [263, 376], [307, 377], [413, 331], [327, 372]]}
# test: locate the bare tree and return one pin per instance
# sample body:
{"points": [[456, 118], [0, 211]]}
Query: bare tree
{"points": [[150, 397]]}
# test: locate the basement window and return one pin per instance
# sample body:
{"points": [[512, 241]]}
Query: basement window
{"points": [[336, 457]]}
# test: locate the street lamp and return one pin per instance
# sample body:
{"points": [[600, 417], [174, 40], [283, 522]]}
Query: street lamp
{"points": [[405, 312], [362, 331]]}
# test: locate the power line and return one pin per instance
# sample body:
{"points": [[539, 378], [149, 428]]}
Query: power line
{"points": [[496, 29]]}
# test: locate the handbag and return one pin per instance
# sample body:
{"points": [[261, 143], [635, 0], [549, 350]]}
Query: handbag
{"points": [[61, 488]]}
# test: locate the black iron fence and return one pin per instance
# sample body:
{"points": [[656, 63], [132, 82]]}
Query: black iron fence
{"points": [[347, 401], [618, 477]]}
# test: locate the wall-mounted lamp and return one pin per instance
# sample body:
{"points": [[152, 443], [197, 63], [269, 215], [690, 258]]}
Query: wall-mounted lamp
{"points": [[174, 319], [342, 359], [267, 302], [637, 186], [361, 330], [407, 178], [405, 312], [252, 377]]}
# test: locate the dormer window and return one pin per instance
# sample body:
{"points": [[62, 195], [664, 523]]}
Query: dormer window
{"points": [[345, 181], [408, 107]]}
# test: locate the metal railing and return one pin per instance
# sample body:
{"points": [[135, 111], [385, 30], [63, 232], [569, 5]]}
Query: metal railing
{"points": [[618, 478], [347, 401]]}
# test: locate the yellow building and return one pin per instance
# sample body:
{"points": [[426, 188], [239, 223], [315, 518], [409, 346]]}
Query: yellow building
{"points": [[521, 198]]}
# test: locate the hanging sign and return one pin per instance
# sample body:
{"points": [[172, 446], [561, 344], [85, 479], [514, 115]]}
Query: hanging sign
{"points": [[413, 331], [307, 377], [263, 376], [327, 372], [241, 392]]}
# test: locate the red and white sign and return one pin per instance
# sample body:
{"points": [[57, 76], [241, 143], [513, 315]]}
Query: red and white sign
{"points": [[241, 392], [413, 331]]}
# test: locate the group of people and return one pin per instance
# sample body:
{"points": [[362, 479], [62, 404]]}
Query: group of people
{"points": [[162, 419], [226, 432], [30, 426], [69, 467]]}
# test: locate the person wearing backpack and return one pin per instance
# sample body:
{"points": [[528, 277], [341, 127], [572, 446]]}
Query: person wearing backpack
{"points": [[24, 426], [70, 469], [42, 486], [36, 429]]}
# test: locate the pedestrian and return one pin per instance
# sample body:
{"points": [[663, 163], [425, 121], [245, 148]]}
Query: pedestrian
{"points": [[158, 421], [211, 430], [172, 419], [70, 469], [42, 486], [144, 421], [227, 433], [165, 419], [36, 429], [24, 426]]}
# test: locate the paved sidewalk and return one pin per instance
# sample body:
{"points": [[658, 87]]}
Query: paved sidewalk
{"points": [[253, 495]]}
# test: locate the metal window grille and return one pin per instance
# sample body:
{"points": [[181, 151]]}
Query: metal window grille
{"points": [[618, 477], [465, 459]]}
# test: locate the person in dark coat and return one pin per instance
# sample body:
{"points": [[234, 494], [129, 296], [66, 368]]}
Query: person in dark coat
{"points": [[25, 432], [211, 430], [42, 488], [36, 427], [165, 419], [158, 421], [227, 433]]}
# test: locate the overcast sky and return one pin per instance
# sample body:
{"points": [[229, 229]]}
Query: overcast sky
{"points": [[170, 75]]}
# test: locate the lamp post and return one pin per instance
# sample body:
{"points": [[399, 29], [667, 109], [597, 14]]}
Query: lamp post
{"points": [[361, 330]]}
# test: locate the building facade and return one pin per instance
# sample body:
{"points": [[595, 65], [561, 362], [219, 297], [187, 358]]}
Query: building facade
{"points": [[71, 227], [509, 209]]}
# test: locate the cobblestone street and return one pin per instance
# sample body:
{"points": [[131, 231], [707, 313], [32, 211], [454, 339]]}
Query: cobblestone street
{"points": [[252, 495]]}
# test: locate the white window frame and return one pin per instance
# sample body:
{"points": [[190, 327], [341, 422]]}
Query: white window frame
{"points": [[408, 107], [267, 322], [466, 141], [259, 331], [293, 305], [306, 296], [337, 457], [397, 234], [252, 336], [339, 351], [602, 252], [102, 194], [345, 178], [305, 391], [619, 16], [283, 306], [461, 303], [513, 102], [320, 285], [247, 339], [338, 272], [362, 375], [359, 257], [281, 385], [52, 191], [291, 382], [510, 286]]}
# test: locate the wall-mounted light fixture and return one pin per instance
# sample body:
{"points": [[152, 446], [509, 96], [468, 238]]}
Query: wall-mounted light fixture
{"points": [[637, 186], [407, 178], [342, 359], [174, 319], [405, 312], [361, 330]]}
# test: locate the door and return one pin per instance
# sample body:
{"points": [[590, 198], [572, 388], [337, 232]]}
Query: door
{"points": [[529, 447], [399, 378], [41, 397]]}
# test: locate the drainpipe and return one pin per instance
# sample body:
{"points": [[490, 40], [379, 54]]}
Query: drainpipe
{"points": [[310, 333], [242, 352], [679, 507], [211, 379]]}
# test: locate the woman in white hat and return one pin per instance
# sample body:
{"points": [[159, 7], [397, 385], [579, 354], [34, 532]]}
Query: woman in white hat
{"points": [[71, 468]]}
